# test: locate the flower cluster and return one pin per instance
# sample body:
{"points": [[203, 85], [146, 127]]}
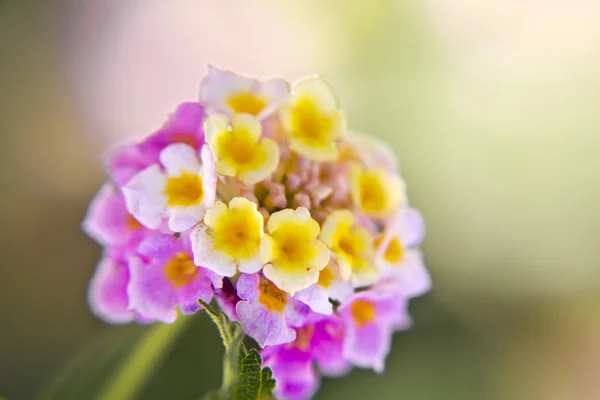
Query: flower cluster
{"points": [[256, 195]]}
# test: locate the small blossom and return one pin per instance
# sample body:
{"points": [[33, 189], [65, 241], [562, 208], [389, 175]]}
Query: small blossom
{"points": [[227, 92], [371, 317], [229, 240], [267, 313], [318, 342], [312, 120], [352, 246], [107, 220], [368, 150], [107, 294], [375, 191], [183, 126], [238, 148], [329, 286], [291, 251], [399, 256], [182, 193], [164, 278]]}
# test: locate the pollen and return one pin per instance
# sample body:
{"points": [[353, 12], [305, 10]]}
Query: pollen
{"points": [[184, 190], [271, 296], [363, 312], [180, 270], [246, 103]]}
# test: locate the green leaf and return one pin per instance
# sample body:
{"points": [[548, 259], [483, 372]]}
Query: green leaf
{"points": [[267, 382], [249, 385]]}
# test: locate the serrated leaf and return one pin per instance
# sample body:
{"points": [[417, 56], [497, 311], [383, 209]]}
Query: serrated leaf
{"points": [[249, 386], [267, 382]]}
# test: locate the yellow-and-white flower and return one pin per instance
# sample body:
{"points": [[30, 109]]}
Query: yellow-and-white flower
{"points": [[375, 191], [239, 149], [352, 246], [229, 240], [291, 251], [224, 91], [313, 121]]}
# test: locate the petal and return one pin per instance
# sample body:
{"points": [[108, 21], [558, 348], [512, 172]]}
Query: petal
{"points": [[247, 286], [413, 275], [290, 282], [268, 166], [215, 125], [209, 176], [251, 265], [316, 298], [178, 158], [206, 256], [219, 84], [107, 294], [199, 288], [317, 90], [247, 123], [267, 248], [107, 218], [411, 227], [268, 329], [183, 218], [150, 293], [367, 346], [144, 197]]}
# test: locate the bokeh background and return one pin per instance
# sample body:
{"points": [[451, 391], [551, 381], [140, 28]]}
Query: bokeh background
{"points": [[492, 108]]}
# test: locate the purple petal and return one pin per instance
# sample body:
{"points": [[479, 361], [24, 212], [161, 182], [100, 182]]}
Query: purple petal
{"points": [[267, 328], [107, 294], [367, 346], [247, 286]]}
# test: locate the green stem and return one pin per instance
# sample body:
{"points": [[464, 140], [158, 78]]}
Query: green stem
{"points": [[126, 382]]}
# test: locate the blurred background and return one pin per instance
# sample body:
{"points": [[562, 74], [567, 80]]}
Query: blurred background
{"points": [[492, 108]]}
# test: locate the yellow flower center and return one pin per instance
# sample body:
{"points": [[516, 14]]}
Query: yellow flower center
{"points": [[326, 277], [238, 233], [394, 252], [246, 103], [363, 312], [238, 148], [180, 270], [184, 190], [271, 296], [309, 124], [373, 193], [295, 251]]}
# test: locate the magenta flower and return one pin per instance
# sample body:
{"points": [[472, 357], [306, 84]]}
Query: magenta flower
{"points": [[267, 313], [318, 343], [371, 317], [164, 279], [184, 126]]}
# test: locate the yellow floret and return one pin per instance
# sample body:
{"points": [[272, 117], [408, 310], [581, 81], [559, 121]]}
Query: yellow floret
{"points": [[292, 251], [352, 246], [238, 148], [312, 120], [375, 191]]}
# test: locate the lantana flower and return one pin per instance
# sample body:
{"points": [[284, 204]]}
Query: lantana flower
{"points": [[182, 191], [229, 239], [352, 246], [291, 251], [398, 254], [224, 91], [258, 197], [375, 191], [183, 126], [267, 313], [370, 318], [239, 149], [313, 121], [164, 279], [319, 342]]}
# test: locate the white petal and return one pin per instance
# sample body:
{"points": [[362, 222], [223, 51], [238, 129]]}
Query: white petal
{"points": [[251, 265], [178, 158], [183, 218], [144, 197], [205, 255]]}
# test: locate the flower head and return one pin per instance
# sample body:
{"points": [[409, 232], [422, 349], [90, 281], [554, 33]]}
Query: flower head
{"points": [[181, 192], [291, 251], [313, 121], [238, 148], [229, 240]]}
